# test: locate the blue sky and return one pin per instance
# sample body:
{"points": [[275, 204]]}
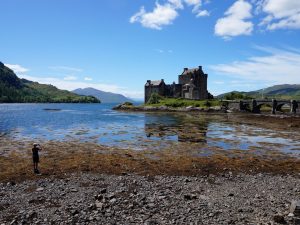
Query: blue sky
{"points": [[116, 45]]}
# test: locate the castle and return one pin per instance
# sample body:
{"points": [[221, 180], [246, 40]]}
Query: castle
{"points": [[192, 84]]}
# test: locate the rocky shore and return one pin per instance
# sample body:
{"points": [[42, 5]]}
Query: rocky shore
{"points": [[214, 109], [126, 107], [87, 198]]}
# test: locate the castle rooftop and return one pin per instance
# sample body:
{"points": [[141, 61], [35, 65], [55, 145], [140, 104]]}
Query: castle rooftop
{"points": [[192, 70]]}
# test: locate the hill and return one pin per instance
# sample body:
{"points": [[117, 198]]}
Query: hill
{"points": [[105, 97], [16, 90], [283, 91]]}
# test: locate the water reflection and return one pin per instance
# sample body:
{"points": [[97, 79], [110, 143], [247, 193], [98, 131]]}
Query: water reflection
{"points": [[140, 131], [171, 126]]}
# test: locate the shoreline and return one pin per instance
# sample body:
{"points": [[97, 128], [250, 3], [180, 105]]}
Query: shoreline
{"points": [[190, 109]]}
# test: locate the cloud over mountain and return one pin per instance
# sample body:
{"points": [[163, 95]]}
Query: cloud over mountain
{"points": [[277, 66]]}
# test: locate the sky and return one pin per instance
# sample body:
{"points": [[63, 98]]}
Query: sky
{"points": [[117, 45]]}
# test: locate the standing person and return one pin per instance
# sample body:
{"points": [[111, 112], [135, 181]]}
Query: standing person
{"points": [[35, 157]]}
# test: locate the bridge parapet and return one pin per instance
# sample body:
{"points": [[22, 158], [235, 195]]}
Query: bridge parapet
{"points": [[255, 105]]}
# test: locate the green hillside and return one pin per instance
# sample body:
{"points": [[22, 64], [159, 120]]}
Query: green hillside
{"points": [[284, 91], [15, 90]]}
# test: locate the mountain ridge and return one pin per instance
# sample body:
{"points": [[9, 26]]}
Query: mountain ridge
{"points": [[281, 91], [105, 97]]}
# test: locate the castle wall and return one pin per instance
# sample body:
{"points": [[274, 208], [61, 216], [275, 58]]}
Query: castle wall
{"points": [[177, 90], [192, 84], [154, 89], [184, 79], [203, 87]]}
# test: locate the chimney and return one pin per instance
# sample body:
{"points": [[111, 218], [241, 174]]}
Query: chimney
{"points": [[162, 80], [185, 69], [148, 81], [200, 68]]}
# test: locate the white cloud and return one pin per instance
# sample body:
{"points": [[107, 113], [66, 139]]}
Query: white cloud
{"points": [[161, 51], [277, 67], [177, 3], [234, 23], [17, 68], [88, 79], [164, 14], [197, 7], [219, 82], [72, 85], [202, 13], [70, 78], [281, 14], [65, 68], [193, 2]]}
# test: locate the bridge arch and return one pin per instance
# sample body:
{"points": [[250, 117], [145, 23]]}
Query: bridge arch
{"points": [[255, 105]]}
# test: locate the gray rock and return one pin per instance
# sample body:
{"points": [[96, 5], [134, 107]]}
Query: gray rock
{"points": [[279, 219], [113, 200], [189, 197], [103, 191], [295, 208]]}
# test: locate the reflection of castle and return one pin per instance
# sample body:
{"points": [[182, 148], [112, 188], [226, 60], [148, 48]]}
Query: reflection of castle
{"points": [[165, 126], [192, 84]]}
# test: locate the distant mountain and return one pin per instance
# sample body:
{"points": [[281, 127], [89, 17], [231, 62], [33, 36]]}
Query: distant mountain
{"points": [[105, 97], [283, 91], [16, 90]]}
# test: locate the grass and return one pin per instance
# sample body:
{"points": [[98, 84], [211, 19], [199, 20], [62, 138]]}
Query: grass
{"points": [[179, 102]]}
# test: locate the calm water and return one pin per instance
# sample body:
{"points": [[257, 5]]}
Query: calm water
{"points": [[98, 123]]}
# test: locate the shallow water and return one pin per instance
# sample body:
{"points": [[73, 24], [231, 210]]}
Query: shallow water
{"points": [[99, 124]]}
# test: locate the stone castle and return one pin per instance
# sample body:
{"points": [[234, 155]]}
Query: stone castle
{"points": [[192, 84]]}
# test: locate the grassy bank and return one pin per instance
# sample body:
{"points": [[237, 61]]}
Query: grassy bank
{"points": [[156, 100]]}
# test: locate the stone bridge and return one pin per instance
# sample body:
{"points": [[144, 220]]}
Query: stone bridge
{"points": [[256, 104]]}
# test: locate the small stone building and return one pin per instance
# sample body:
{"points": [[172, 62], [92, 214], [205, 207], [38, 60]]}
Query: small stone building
{"points": [[192, 84]]}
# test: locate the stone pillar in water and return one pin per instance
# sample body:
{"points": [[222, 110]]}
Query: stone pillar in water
{"points": [[241, 105], [294, 106], [274, 106], [255, 108]]}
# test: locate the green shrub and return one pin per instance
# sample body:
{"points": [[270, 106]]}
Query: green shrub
{"points": [[236, 96], [207, 103], [127, 103], [154, 98]]}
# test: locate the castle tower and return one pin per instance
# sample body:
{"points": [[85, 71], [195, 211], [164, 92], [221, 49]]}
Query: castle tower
{"points": [[199, 80]]}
